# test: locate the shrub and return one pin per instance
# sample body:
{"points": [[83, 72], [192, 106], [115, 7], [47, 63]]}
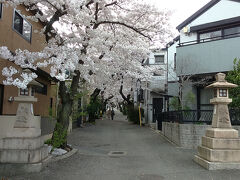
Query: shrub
{"points": [[133, 114], [59, 138]]}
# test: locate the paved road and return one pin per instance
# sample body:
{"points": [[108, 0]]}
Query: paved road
{"points": [[148, 156]]}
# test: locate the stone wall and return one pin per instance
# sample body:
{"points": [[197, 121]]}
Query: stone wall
{"points": [[186, 135]]}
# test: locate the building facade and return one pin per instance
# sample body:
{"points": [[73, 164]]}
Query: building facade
{"points": [[172, 78], [18, 33], [154, 94], [208, 43]]}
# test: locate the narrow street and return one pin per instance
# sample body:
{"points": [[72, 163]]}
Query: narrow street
{"points": [[146, 156]]}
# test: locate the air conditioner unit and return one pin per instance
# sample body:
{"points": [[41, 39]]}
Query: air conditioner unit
{"points": [[186, 30]]}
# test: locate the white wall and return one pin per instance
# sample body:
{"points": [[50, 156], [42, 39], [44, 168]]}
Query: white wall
{"points": [[224, 9], [172, 76], [157, 52], [157, 83], [187, 37], [154, 84]]}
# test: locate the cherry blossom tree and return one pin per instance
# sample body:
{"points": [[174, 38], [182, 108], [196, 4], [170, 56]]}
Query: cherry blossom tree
{"points": [[100, 41]]}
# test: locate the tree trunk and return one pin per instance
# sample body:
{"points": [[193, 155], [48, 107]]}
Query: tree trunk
{"points": [[59, 138], [127, 99], [93, 99]]}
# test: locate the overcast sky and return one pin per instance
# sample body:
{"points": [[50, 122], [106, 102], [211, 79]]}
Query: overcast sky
{"points": [[182, 9]]}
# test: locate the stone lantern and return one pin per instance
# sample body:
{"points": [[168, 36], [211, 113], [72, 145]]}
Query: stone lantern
{"points": [[23, 150], [220, 148], [25, 120], [220, 101]]}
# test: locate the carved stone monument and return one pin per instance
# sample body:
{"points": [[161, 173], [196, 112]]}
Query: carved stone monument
{"points": [[220, 147], [23, 149]]}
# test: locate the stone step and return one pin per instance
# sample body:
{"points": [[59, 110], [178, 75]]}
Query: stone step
{"points": [[216, 165], [23, 155], [220, 143], [219, 155], [21, 143], [222, 133]]}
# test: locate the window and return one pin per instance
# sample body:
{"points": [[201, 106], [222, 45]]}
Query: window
{"points": [[159, 59], [157, 74], [208, 36], [222, 92], [232, 32], [24, 92], [22, 26], [1, 10], [40, 90]]}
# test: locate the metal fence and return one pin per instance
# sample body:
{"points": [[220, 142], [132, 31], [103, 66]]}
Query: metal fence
{"points": [[194, 116]]}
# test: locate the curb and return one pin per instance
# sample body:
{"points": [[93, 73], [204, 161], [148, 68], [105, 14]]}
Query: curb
{"points": [[52, 158], [161, 134]]}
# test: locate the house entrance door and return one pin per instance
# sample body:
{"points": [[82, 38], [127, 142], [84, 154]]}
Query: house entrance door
{"points": [[157, 108], [1, 98]]}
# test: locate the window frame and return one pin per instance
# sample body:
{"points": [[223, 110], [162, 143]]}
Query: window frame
{"points": [[41, 90], [231, 34], [24, 92], [199, 39], [223, 92], [222, 29], [161, 62], [23, 19]]}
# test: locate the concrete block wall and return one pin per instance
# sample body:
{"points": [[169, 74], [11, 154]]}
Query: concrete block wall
{"points": [[186, 135], [171, 131], [191, 134]]}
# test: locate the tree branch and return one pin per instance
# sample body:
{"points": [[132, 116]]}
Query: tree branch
{"points": [[106, 100], [127, 99], [95, 94], [49, 26], [122, 24], [89, 3], [96, 12], [110, 4]]}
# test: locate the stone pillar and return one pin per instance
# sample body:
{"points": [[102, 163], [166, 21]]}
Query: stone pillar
{"points": [[23, 149], [220, 148]]}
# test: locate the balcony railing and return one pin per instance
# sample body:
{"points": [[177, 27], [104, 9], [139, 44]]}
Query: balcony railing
{"points": [[216, 38]]}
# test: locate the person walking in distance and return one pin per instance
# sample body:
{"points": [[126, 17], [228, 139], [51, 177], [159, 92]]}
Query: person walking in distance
{"points": [[112, 114], [109, 113]]}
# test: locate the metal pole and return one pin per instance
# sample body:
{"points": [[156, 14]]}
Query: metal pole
{"points": [[140, 119]]}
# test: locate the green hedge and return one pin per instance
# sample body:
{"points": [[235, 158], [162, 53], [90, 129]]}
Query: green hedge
{"points": [[133, 114]]}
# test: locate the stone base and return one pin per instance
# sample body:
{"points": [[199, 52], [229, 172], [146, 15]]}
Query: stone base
{"points": [[23, 155], [22, 150], [220, 143], [216, 165], [19, 169], [219, 155], [21, 143], [222, 133]]}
